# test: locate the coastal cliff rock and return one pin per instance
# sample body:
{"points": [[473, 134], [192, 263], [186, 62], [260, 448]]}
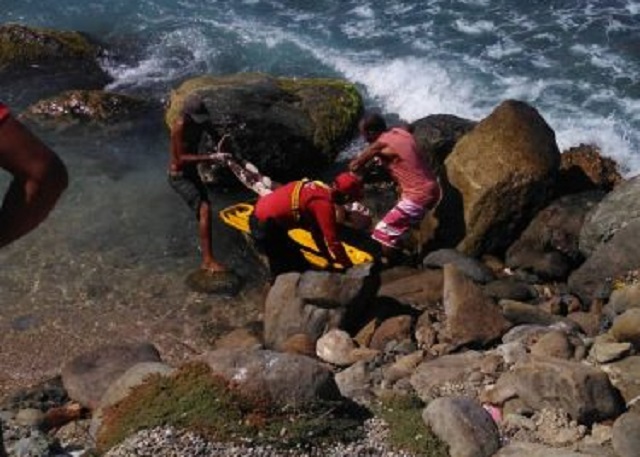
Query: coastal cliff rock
{"points": [[26, 50], [437, 135], [288, 127], [608, 239], [616, 210], [583, 168], [313, 302], [500, 173], [76, 106], [548, 247]]}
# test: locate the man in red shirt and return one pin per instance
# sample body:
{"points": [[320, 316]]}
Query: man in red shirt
{"points": [[398, 152], [39, 178], [303, 204]]}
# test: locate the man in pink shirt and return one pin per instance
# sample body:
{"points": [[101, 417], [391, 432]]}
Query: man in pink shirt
{"points": [[398, 152]]}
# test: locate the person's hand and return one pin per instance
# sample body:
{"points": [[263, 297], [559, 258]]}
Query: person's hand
{"points": [[219, 156]]}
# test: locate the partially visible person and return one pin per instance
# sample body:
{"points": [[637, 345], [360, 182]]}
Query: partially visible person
{"points": [[396, 149], [303, 204], [187, 132], [39, 178], [352, 214]]}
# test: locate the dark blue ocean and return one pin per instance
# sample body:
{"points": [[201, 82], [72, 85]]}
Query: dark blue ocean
{"points": [[121, 239]]}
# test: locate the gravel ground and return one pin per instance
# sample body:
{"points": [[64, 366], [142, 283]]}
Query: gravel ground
{"points": [[170, 442]]}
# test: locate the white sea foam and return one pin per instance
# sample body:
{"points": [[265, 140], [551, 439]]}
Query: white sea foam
{"points": [[600, 57], [614, 138], [503, 48], [363, 11], [411, 87], [476, 2], [633, 7], [179, 53], [474, 28], [433, 80]]}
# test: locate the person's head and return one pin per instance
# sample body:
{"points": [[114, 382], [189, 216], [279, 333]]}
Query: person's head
{"points": [[348, 187], [371, 126], [194, 108]]}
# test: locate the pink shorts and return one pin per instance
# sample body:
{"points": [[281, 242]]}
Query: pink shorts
{"points": [[397, 221]]}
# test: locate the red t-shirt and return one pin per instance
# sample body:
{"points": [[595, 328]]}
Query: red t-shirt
{"points": [[4, 112], [417, 181], [317, 214]]}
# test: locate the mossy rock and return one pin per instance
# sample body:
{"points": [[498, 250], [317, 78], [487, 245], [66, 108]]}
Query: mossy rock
{"points": [[407, 430], [194, 399], [288, 127], [22, 45], [86, 106]]}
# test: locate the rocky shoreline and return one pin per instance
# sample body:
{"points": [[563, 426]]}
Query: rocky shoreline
{"points": [[515, 331]]}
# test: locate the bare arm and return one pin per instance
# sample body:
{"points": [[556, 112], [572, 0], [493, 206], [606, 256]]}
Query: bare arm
{"points": [[179, 154], [39, 178], [327, 240], [377, 148]]}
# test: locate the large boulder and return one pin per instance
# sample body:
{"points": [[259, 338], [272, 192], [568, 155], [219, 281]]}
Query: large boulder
{"points": [[472, 317], [548, 247], [610, 261], [421, 290], [119, 389], [66, 59], [619, 208], [499, 175], [626, 435], [281, 379], [88, 376], [437, 134], [583, 168], [314, 302], [582, 391], [288, 127], [464, 425], [449, 375]]}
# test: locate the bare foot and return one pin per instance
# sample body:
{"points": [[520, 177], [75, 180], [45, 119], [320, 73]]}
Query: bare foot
{"points": [[212, 267]]}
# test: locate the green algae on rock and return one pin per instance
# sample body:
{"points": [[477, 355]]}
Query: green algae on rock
{"points": [[22, 45], [194, 399], [288, 127], [407, 431]]}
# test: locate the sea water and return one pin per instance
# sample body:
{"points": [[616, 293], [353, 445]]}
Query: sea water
{"points": [[120, 235]]}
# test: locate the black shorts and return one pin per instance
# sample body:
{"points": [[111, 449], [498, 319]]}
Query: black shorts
{"points": [[273, 240], [191, 189]]}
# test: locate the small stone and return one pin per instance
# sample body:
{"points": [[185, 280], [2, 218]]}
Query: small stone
{"points": [[214, 282]]}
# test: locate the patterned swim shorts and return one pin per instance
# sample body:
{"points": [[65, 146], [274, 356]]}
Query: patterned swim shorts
{"points": [[397, 221]]}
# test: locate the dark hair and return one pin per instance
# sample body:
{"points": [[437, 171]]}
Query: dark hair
{"points": [[373, 123]]}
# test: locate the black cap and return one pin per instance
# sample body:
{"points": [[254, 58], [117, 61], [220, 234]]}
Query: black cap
{"points": [[194, 107]]}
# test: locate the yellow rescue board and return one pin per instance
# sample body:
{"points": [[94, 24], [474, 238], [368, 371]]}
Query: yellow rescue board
{"points": [[237, 216]]}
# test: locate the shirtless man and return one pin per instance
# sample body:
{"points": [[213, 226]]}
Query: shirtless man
{"points": [[397, 150], [39, 178], [186, 134]]}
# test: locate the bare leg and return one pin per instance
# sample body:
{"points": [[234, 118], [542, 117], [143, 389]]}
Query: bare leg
{"points": [[204, 231]]}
